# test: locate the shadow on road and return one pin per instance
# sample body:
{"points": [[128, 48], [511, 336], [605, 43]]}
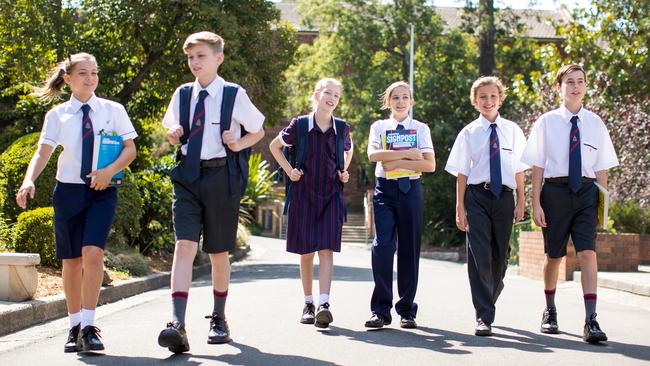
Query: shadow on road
{"points": [[257, 272]]}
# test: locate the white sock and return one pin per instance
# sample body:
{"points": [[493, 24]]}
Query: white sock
{"points": [[87, 318], [74, 319], [309, 299], [323, 299]]}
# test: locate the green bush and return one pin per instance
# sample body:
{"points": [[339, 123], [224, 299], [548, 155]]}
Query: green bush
{"points": [[126, 227], [156, 189], [630, 217], [34, 233], [128, 260], [13, 164]]}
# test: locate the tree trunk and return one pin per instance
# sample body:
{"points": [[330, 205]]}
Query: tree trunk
{"points": [[486, 37]]}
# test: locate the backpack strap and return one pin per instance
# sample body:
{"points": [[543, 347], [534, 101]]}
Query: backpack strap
{"points": [[237, 162], [297, 158], [184, 100], [340, 143]]}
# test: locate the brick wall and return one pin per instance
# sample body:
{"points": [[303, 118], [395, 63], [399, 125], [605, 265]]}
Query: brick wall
{"points": [[616, 253], [644, 249]]}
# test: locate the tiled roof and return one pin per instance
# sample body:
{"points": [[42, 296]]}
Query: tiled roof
{"points": [[539, 23]]}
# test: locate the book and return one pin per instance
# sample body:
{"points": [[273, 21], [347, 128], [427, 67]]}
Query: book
{"points": [[603, 205], [106, 150], [400, 140]]}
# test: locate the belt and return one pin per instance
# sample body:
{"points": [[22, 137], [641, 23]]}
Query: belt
{"points": [[486, 185], [565, 180], [212, 163]]}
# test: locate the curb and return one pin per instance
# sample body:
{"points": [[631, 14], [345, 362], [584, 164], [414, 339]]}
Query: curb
{"points": [[25, 314], [637, 288]]}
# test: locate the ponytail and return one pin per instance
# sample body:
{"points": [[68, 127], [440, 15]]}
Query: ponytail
{"points": [[51, 89]]}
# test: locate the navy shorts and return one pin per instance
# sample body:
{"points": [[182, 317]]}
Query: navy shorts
{"points": [[569, 213], [206, 207], [82, 216]]}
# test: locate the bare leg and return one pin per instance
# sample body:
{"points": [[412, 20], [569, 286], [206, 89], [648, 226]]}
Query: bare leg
{"points": [[307, 272], [551, 272], [184, 253], [92, 258], [71, 274], [220, 271], [325, 270]]}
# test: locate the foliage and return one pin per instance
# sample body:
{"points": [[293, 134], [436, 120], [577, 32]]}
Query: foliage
{"points": [[126, 226], [630, 217], [129, 261], [260, 184], [34, 233], [13, 164]]}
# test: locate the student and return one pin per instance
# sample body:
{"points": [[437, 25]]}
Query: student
{"points": [[569, 148], [84, 204], [486, 162], [398, 206], [206, 181], [316, 204]]}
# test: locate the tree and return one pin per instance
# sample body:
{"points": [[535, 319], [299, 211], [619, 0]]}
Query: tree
{"points": [[486, 37]]}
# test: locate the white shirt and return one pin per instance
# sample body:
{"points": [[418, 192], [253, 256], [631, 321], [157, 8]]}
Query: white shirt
{"points": [[470, 154], [244, 114], [379, 127], [548, 144], [63, 127]]}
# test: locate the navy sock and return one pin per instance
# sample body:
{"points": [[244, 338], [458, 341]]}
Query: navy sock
{"points": [[179, 303]]}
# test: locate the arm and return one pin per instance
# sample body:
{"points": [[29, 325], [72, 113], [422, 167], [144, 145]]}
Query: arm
{"points": [[601, 178], [380, 155], [521, 198], [538, 212], [348, 156], [461, 214], [36, 166], [426, 165], [247, 141], [103, 176], [276, 150]]}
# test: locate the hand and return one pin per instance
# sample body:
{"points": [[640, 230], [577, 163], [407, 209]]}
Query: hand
{"points": [[413, 154], [538, 215], [461, 219], [174, 134], [344, 176], [26, 190], [519, 211], [295, 174], [102, 179], [389, 165], [228, 138]]}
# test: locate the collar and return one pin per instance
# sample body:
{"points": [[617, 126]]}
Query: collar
{"points": [[407, 122], [215, 87], [485, 123], [312, 121], [567, 114], [76, 103]]}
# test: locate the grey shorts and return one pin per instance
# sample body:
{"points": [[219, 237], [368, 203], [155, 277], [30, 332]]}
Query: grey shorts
{"points": [[205, 207]]}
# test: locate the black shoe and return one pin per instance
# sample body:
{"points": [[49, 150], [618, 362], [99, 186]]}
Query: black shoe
{"points": [[592, 332], [323, 316], [174, 337], [482, 329], [549, 322], [219, 332], [90, 339], [377, 321], [308, 314], [408, 322], [72, 344]]}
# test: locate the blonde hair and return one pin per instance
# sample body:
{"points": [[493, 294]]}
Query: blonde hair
{"points": [[320, 85], [487, 80], [567, 69], [211, 39], [384, 98], [51, 89]]}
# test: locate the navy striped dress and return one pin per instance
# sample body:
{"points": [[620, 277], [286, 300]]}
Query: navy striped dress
{"points": [[317, 208]]}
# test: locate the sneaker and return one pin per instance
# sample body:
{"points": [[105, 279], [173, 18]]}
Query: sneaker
{"points": [[73, 344], [549, 322], [323, 316], [482, 329], [308, 316], [174, 337], [90, 339], [219, 332], [592, 332]]}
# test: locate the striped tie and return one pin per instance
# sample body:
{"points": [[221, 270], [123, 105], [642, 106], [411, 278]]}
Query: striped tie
{"points": [[495, 162], [192, 163], [87, 142], [575, 165]]}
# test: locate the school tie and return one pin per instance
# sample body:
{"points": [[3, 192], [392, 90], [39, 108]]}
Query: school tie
{"points": [[575, 165], [495, 162], [87, 142], [404, 183], [192, 163]]}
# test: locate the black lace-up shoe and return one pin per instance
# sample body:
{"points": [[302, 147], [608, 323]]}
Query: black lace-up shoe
{"points": [[592, 332], [308, 312], [549, 322], [323, 316], [90, 339], [72, 344], [174, 337], [482, 329], [219, 332], [377, 321]]}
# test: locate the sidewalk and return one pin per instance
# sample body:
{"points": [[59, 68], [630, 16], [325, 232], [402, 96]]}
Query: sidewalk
{"points": [[634, 282]]}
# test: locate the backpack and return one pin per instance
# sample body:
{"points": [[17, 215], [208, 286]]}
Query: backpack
{"points": [[237, 162], [296, 154]]}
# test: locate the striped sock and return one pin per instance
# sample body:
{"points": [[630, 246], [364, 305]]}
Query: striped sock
{"points": [[550, 298], [590, 305], [179, 303], [219, 308]]}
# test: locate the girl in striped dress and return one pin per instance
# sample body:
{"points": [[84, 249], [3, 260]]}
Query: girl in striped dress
{"points": [[316, 205]]}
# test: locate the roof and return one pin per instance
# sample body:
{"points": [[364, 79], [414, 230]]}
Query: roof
{"points": [[538, 23]]}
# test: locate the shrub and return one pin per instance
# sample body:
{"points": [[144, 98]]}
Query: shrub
{"points": [[13, 164], [128, 260], [126, 227], [630, 217], [34, 233], [156, 190]]}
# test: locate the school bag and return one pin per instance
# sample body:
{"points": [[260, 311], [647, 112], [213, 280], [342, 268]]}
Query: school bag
{"points": [[237, 162], [296, 154]]}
